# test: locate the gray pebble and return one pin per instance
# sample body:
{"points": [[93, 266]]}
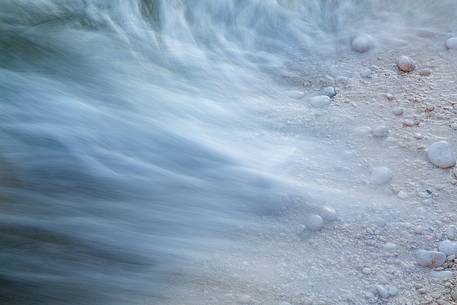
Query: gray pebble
{"points": [[314, 223], [451, 43], [441, 154], [448, 247], [442, 275], [320, 101], [380, 175], [398, 111], [328, 91]]}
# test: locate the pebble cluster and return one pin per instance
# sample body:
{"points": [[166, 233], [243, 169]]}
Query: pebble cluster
{"points": [[440, 261]]}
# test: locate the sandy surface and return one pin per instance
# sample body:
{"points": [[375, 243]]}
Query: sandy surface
{"points": [[379, 229]]}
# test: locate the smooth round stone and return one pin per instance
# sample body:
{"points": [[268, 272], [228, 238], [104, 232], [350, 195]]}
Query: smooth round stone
{"points": [[430, 259], [381, 175], [441, 154], [328, 213], [419, 230], [408, 123], [362, 43], [406, 64], [382, 291], [442, 275], [328, 91], [418, 136], [390, 246], [393, 291], [448, 247], [320, 101], [451, 43], [380, 132], [315, 223], [402, 195], [452, 232], [398, 111]]}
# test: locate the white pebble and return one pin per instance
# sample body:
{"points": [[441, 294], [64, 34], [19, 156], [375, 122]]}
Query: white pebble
{"points": [[419, 230], [408, 123], [328, 213], [320, 101], [451, 43], [451, 232], [390, 246], [362, 43], [402, 195], [418, 136], [393, 291], [382, 291], [386, 291], [448, 247], [442, 275], [441, 154], [381, 175], [380, 132], [314, 223], [430, 259], [405, 64], [398, 111]]}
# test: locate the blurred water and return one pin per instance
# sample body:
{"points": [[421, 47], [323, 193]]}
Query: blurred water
{"points": [[134, 136]]}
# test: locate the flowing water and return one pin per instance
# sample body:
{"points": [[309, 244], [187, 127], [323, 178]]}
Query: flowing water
{"points": [[138, 135]]}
